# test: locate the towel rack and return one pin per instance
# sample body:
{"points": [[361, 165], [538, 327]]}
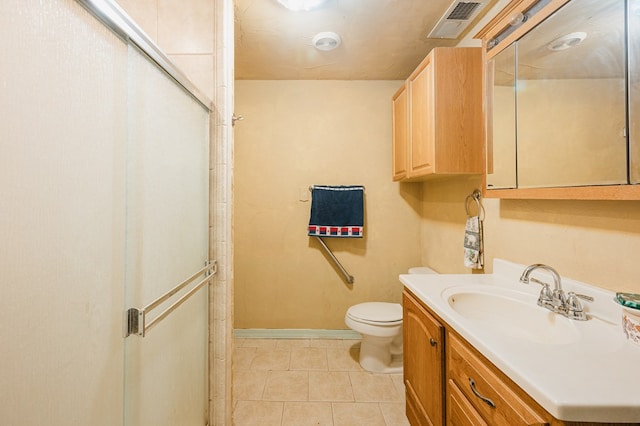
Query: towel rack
{"points": [[313, 186], [349, 278], [136, 319], [474, 196]]}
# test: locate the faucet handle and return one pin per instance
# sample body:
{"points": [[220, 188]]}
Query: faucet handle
{"points": [[574, 307], [546, 295], [582, 296], [537, 281], [559, 301]]}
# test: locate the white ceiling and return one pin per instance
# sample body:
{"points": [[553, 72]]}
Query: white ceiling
{"points": [[381, 39]]}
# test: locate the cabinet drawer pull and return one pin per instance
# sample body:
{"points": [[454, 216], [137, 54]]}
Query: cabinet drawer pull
{"points": [[432, 342], [489, 402]]}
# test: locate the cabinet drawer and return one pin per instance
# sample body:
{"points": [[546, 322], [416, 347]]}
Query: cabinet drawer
{"points": [[501, 405], [460, 412]]}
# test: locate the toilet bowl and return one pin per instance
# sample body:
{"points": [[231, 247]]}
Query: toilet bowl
{"points": [[380, 324]]}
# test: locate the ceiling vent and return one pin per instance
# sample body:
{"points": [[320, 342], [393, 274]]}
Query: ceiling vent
{"points": [[457, 18]]}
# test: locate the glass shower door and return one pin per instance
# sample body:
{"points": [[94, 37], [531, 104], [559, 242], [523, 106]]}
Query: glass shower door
{"points": [[166, 371]]}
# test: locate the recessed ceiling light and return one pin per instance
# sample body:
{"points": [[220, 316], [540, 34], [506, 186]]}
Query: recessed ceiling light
{"points": [[326, 41], [298, 5], [567, 41]]}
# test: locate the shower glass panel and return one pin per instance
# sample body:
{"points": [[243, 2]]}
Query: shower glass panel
{"points": [[62, 140], [166, 373]]}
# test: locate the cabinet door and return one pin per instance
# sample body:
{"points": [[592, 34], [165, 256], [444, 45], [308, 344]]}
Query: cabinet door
{"points": [[400, 105], [423, 364], [421, 123], [457, 110]]}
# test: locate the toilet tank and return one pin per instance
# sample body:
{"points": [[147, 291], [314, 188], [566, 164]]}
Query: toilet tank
{"points": [[417, 270]]}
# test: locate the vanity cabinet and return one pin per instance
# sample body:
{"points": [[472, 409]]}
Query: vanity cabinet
{"points": [[477, 390], [448, 382], [437, 117], [423, 351], [425, 357]]}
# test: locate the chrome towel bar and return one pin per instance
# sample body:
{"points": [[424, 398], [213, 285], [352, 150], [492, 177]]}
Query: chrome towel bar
{"points": [[135, 321], [347, 277], [312, 186]]}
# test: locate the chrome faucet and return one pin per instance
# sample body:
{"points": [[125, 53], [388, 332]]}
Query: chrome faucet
{"points": [[555, 300]]}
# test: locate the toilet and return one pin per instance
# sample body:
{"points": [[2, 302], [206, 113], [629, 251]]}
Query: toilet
{"points": [[380, 325]]}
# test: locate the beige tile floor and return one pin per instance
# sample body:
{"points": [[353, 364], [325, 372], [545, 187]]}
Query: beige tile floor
{"points": [[301, 382]]}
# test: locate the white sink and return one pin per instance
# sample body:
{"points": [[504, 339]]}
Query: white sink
{"points": [[582, 371], [511, 313]]}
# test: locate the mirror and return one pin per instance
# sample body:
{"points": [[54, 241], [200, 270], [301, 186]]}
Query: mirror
{"points": [[633, 28], [501, 153], [565, 83]]}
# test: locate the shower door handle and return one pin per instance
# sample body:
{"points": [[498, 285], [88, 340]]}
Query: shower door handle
{"points": [[135, 321]]}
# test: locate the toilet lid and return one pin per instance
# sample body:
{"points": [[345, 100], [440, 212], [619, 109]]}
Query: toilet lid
{"points": [[377, 313]]}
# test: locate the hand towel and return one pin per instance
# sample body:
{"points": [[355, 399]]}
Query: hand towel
{"points": [[473, 244], [337, 211]]}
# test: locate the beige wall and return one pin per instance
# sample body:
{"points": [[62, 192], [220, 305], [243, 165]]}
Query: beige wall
{"points": [[282, 278], [185, 31], [299, 133], [592, 241]]}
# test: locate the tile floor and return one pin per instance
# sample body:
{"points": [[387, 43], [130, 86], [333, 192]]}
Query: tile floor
{"points": [[301, 382]]}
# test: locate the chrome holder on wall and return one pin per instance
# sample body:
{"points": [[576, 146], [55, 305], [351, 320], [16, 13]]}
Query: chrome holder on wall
{"points": [[235, 118], [135, 321], [474, 196]]}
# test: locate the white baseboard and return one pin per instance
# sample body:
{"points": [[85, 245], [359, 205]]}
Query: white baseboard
{"points": [[268, 333]]}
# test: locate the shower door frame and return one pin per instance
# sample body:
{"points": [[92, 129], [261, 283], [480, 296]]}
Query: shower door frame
{"points": [[118, 21]]}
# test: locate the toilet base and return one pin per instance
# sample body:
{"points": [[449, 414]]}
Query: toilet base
{"points": [[380, 355]]}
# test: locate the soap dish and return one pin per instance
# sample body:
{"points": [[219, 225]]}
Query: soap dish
{"points": [[630, 315], [630, 300]]}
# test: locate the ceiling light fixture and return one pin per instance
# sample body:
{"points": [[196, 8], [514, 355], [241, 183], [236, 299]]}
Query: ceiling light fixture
{"points": [[326, 41], [298, 5], [567, 41]]}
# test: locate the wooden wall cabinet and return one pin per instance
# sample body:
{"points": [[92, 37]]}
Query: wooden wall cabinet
{"points": [[438, 117], [400, 124]]}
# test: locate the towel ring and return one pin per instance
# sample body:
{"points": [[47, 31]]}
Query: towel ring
{"points": [[474, 196]]}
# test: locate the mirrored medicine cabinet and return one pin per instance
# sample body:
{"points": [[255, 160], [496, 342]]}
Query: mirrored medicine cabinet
{"points": [[563, 98]]}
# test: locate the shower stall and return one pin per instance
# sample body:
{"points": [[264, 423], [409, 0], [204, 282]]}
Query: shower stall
{"points": [[104, 223]]}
